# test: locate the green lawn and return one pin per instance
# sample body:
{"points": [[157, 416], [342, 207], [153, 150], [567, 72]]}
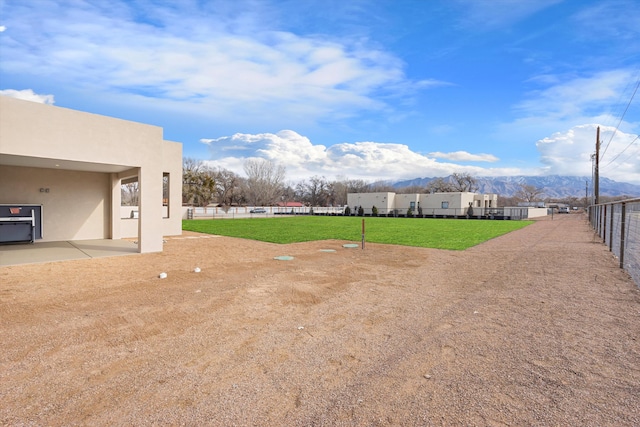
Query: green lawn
{"points": [[457, 234]]}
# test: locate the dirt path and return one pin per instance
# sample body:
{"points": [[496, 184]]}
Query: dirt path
{"points": [[537, 327]]}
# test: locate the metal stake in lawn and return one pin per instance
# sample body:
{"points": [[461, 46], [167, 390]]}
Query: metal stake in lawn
{"points": [[363, 233]]}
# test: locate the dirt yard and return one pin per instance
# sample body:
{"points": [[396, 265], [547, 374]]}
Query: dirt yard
{"points": [[537, 327]]}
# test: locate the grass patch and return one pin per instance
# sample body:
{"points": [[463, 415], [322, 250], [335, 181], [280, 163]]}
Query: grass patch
{"points": [[456, 234]]}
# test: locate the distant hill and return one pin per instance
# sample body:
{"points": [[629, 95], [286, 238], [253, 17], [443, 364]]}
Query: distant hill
{"points": [[553, 186]]}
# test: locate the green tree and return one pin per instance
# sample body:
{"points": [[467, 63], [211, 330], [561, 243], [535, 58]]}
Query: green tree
{"points": [[198, 182]]}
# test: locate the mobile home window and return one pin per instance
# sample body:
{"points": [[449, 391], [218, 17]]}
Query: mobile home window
{"points": [[445, 205]]}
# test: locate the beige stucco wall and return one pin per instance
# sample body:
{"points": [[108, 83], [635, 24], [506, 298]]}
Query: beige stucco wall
{"points": [[39, 130], [531, 211], [81, 215], [485, 200], [101, 147], [455, 200], [403, 202], [383, 201], [172, 163], [430, 203]]}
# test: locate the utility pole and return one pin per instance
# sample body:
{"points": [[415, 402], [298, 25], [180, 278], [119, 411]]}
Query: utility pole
{"points": [[596, 183]]}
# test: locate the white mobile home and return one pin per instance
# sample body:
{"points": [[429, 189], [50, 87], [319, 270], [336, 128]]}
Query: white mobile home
{"points": [[437, 204], [384, 202]]}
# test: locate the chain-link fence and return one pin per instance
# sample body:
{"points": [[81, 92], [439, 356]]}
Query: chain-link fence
{"points": [[618, 224]]}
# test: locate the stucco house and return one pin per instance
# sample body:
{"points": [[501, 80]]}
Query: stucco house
{"points": [[72, 165]]}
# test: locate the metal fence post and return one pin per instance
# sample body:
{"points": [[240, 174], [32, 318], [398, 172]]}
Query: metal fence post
{"points": [[622, 231], [604, 224], [611, 227]]}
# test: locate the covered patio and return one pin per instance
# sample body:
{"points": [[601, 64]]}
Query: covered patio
{"points": [[42, 252], [72, 166]]}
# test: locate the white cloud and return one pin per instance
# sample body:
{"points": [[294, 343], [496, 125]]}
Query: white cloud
{"points": [[614, 19], [372, 161], [567, 101], [3, 28], [28, 95], [569, 153], [576, 96], [234, 69], [562, 153]]}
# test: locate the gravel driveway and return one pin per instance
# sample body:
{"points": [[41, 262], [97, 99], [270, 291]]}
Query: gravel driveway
{"points": [[537, 327]]}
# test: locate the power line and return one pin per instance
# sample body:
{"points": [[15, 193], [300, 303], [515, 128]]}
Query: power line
{"points": [[625, 149], [621, 117]]}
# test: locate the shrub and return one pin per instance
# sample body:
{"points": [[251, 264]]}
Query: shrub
{"points": [[360, 211], [374, 211], [470, 211], [347, 211], [409, 212]]}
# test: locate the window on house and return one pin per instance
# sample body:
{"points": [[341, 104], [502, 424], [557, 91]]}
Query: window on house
{"points": [[412, 205], [445, 205], [165, 194]]}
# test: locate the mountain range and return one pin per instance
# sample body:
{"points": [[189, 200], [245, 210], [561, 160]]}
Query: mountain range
{"points": [[552, 186]]}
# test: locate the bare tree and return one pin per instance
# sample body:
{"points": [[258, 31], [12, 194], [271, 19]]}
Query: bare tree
{"points": [[439, 185], [357, 186], [339, 189], [333, 196], [529, 193], [228, 187], [412, 189], [464, 182], [288, 193], [337, 193], [129, 193], [508, 201], [315, 191], [265, 181], [381, 187]]}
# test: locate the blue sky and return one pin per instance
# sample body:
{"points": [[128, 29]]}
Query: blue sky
{"points": [[358, 89]]}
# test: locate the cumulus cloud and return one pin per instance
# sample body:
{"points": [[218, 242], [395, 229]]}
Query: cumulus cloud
{"points": [[2, 28], [570, 153], [372, 161], [28, 95], [562, 153]]}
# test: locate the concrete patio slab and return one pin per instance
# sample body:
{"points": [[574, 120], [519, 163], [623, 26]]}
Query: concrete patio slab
{"points": [[41, 252]]}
